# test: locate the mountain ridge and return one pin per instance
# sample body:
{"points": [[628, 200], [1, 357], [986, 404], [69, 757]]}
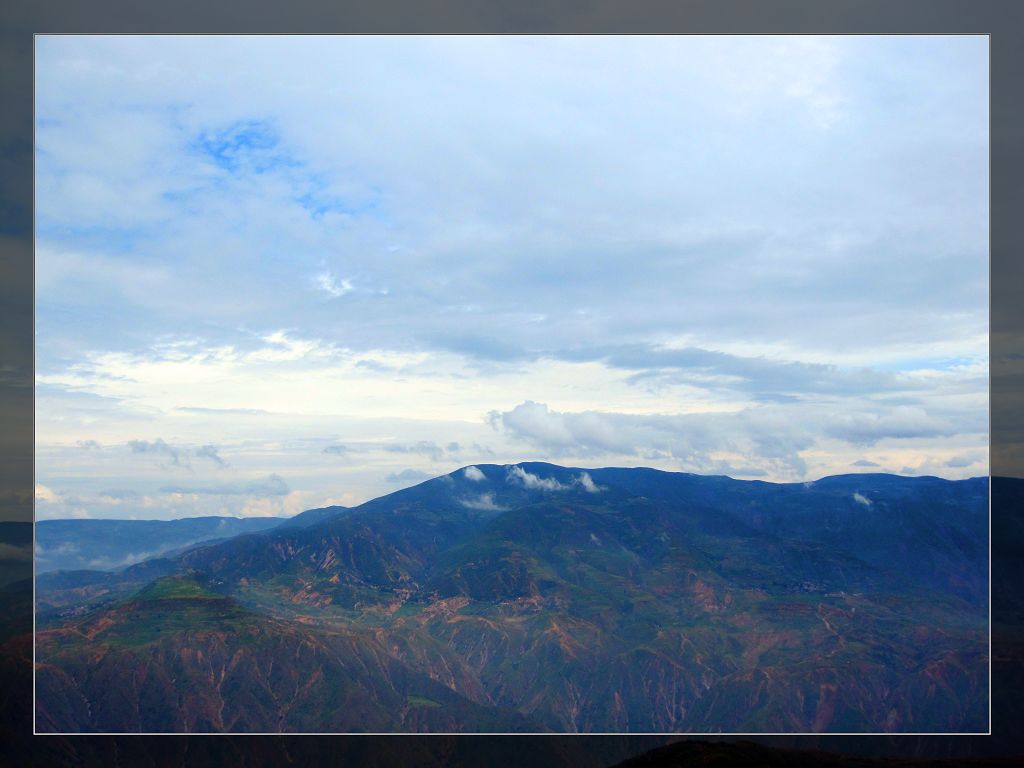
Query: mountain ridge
{"points": [[618, 599]]}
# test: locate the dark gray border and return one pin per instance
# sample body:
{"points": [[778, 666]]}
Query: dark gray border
{"points": [[1002, 19]]}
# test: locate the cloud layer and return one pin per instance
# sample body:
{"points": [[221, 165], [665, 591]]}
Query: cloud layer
{"points": [[763, 256]]}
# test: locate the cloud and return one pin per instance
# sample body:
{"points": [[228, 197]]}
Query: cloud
{"points": [[765, 434], [865, 463], [223, 411], [768, 380], [67, 548], [480, 347], [283, 348], [535, 482], [89, 445], [108, 563], [374, 200], [862, 499], [46, 495], [532, 481], [484, 502], [178, 455], [211, 452], [588, 484], [900, 422], [120, 496], [272, 485], [337, 450], [408, 477], [964, 460], [413, 292], [425, 448], [263, 507], [474, 473], [157, 447], [333, 287], [768, 437]]}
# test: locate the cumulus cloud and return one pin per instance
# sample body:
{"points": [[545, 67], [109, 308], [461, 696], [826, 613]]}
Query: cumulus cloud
{"points": [[861, 499], [517, 474], [474, 473], [865, 463], [588, 484], [46, 495]]}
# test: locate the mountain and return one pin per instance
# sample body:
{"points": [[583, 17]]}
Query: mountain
{"points": [[177, 657], [586, 600], [313, 516], [111, 544]]}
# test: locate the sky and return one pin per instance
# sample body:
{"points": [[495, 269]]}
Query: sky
{"points": [[276, 273]]}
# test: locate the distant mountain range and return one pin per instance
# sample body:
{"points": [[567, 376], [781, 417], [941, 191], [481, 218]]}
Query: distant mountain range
{"points": [[108, 545], [534, 597], [112, 544]]}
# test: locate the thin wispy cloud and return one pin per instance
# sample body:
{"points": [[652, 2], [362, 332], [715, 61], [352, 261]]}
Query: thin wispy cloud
{"points": [[332, 286], [272, 485], [158, 448], [408, 477]]}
